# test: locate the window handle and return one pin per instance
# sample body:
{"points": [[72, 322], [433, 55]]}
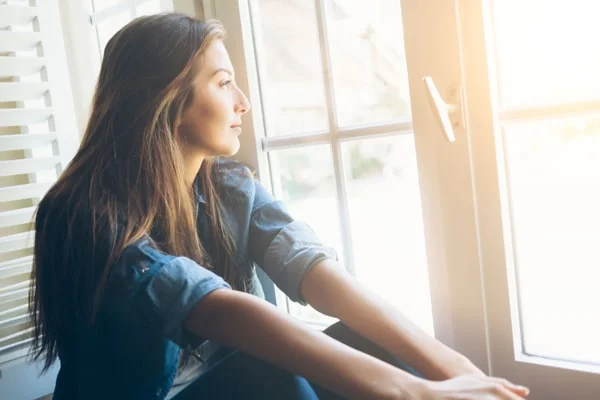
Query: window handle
{"points": [[448, 115]]}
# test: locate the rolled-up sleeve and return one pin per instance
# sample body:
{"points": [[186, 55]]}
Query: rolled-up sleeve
{"points": [[170, 290], [284, 248]]}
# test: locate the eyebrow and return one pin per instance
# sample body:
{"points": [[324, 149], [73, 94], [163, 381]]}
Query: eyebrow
{"points": [[230, 72]]}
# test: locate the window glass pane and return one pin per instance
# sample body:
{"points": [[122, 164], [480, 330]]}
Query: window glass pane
{"points": [[553, 169], [304, 179], [386, 222], [100, 5], [148, 8], [547, 53], [291, 73], [369, 67], [109, 26]]}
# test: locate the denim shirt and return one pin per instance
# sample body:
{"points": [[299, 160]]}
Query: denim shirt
{"points": [[133, 350]]}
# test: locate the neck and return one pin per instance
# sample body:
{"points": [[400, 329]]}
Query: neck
{"points": [[192, 162]]}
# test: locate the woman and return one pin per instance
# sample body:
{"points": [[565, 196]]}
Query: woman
{"points": [[142, 239]]}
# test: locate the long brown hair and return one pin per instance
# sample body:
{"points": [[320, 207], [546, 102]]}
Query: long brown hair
{"points": [[126, 180]]}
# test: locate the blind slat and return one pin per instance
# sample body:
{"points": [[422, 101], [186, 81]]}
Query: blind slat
{"points": [[18, 41], [26, 141], [16, 217], [14, 278], [20, 66], [11, 351], [14, 295], [21, 91], [16, 15], [22, 192], [17, 269], [23, 116], [27, 165], [16, 337], [15, 242], [14, 311], [8, 322], [15, 287], [15, 262]]}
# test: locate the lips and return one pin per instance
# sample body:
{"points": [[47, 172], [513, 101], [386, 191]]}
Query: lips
{"points": [[237, 127]]}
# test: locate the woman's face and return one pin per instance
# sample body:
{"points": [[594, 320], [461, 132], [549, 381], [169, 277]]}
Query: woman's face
{"points": [[211, 125]]}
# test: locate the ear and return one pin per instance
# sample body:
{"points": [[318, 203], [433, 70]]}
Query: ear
{"points": [[182, 124], [180, 131]]}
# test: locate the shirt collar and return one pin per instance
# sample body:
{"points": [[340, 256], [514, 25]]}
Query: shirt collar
{"points": [[200, 196]]}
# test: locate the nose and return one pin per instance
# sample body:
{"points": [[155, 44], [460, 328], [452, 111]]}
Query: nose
{"points": [[243, 105]]}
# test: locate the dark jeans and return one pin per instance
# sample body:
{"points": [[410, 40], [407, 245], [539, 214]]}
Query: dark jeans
{"points": [[239, 376]]}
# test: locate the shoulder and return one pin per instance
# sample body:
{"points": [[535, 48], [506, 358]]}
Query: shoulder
{"points": [[230, 171], [135, 260], [234, 180]]}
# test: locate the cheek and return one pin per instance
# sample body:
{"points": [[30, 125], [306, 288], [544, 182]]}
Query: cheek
{"points": [[210, 122], [210, 111], [197, 121], [206, 123]]}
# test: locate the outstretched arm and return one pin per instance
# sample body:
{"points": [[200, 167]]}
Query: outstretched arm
{"points": [[330, 290]]}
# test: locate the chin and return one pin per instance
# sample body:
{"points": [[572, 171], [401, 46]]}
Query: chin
{"points": [[230, 149]]}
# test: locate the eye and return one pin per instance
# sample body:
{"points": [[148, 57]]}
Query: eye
{"points": [[225, 83]]}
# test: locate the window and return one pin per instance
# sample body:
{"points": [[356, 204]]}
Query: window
{"points": [[344, 163], [507, 209]]}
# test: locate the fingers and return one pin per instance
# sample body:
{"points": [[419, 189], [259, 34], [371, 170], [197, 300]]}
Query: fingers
{"points": [[519, 390], [508, 394]]}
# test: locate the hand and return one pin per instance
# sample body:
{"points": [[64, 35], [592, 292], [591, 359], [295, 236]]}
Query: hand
{"points": [[461, 365], [473, 387]]}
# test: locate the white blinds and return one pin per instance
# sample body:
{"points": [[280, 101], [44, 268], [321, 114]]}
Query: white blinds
{"points": [[37, 139]]}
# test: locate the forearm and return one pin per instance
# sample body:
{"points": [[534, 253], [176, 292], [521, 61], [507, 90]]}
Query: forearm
{"points": [[338, 294], [257, 328]]}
